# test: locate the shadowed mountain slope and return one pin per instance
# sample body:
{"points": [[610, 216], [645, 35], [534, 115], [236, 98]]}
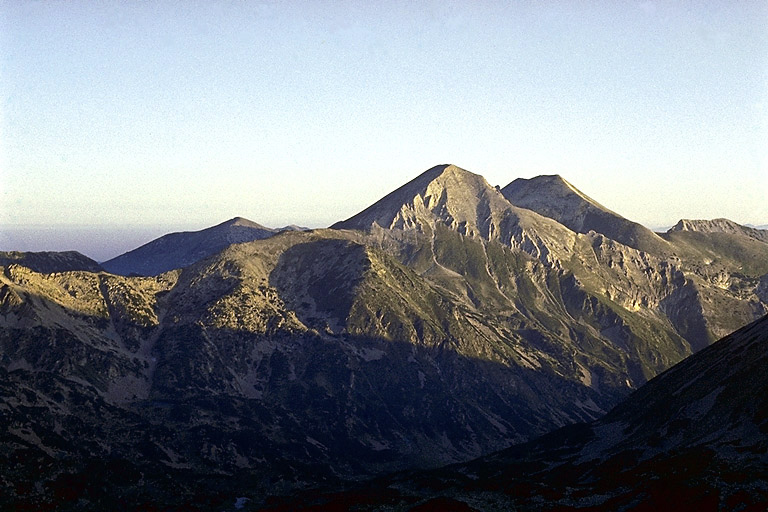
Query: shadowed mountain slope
{"points": [[48, 262], [302, 359], [178, 250], [695, 438], [697, 434]]}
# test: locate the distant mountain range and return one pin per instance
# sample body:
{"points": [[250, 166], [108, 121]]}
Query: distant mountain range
{"points": [[48, 262], [447, 321], [178, 250], [720, 226]]}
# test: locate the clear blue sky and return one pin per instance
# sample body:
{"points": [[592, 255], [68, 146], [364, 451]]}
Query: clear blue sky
{"points": [[184, 114]]}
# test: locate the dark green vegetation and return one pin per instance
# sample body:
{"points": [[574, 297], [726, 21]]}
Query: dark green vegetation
{"points": [[441, 324]]}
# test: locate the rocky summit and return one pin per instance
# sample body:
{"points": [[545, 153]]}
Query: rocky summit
{"points": [[554, 197], [720, 226], [447, 321]]}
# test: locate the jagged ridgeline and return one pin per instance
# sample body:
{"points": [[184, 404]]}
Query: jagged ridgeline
{"points": [[448, 320]]}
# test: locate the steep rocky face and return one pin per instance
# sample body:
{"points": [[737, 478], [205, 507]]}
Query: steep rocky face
{"points": [[48, 262], [718, 264], [725, 272], [78, 325], [443, 223], [554, 197], [720, 226], [448, 196], [178, 250]]}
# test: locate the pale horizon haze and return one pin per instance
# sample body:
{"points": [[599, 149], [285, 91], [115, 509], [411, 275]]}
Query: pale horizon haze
{"points": [[122, 121]]}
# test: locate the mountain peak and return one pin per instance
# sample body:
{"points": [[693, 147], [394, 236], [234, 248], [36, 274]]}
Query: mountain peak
{"points": [[240, 221], [178, 250], [554, 197], [552, 193], [720, 225], [446, 189], [447, 196]]}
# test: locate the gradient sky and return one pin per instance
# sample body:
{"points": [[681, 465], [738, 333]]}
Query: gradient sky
{"points": [[185, 114]]}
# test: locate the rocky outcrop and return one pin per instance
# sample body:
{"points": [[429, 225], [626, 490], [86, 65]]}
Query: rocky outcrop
{"points": [[720, 226]]}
